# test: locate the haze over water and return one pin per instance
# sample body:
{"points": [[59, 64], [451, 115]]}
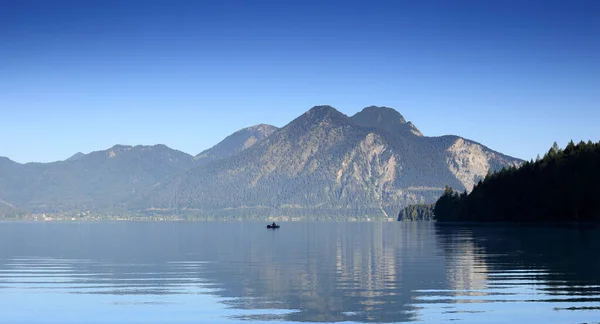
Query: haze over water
{"points": [[217, 272]]}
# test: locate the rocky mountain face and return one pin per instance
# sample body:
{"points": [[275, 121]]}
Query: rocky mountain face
{"points": [[323, 164], [235, 143], [327, 164]]}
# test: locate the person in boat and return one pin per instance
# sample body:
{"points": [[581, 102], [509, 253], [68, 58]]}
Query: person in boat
{"points": [[273, 224]]}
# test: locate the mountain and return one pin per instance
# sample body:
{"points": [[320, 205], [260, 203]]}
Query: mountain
{"points": [[235, 143], [101, 180], [14, 178], [323, 164], [326, 164], [385, 118], [76, 156]]}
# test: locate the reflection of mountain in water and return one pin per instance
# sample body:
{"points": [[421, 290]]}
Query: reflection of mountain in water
{"points": [[334, 272], [465, 268], [362, 272], [323, 271]]}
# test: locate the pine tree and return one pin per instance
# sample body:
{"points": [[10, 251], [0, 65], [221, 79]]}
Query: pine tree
{"points": [[562, 186]]}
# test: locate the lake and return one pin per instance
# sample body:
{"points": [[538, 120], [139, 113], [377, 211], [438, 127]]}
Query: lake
{"points": [[238, 272]]}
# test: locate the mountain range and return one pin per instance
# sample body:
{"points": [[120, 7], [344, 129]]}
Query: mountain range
{"points": [[323, 164]]}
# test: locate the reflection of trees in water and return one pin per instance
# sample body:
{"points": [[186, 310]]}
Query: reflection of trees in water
{"points": [[563, 256], [336, 272]]}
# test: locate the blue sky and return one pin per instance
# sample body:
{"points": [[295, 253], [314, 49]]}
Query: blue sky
{"points": [[85, 75]]}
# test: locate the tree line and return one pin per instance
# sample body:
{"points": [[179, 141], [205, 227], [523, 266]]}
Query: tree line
{"points": [[564, 185], [416, 213]]}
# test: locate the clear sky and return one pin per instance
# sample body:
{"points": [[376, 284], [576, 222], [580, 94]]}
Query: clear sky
{"points": [[85, 75]]}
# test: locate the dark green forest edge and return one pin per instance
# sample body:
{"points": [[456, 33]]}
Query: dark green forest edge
{"points": [[420, 212], [562, 186]]}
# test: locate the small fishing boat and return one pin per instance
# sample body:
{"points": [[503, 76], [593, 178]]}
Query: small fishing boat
{"points": [[273, 226]]}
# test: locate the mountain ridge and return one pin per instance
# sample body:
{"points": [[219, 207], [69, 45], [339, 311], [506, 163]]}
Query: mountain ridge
{"points": [[321, 163], [322, 158], [235, 143]]}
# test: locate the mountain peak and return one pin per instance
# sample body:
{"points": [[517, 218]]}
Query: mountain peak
{"points": [[383, 112], [323, 112], [322, 109], [4, 159], [317, 115], [120, 147], [76, 156], [385, 118], [235, 143]]}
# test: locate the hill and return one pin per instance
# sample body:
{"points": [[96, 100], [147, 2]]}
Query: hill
{"points": [[562, 186], [100, 180]]}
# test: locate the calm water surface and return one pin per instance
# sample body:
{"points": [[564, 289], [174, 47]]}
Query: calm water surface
{"points": [[213, 272]]}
